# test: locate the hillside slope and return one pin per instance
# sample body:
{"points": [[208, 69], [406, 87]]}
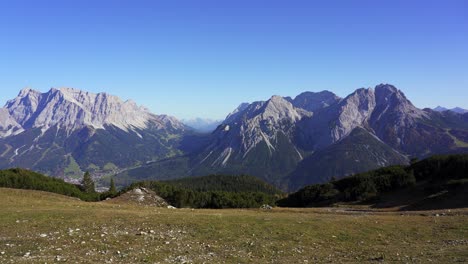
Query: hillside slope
{"points": [[433, 183], [56, 228], [358, 152]]}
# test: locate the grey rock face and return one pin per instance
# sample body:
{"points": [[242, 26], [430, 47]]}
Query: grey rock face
{"points": [[66, 131], [311, 101], [377, 110], [335, 122], [8, 125], [72, 109], [354, 111], [258, 122], [283, 131], [390, 99], [394, 116], [267, 139], [231, 116], [331, 120]]}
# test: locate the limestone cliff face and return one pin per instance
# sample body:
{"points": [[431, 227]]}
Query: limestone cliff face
{"points": [[272, 137], [312, 101], [249, 125], [65, 131], [312, 121], [353, 111], [73, 109], [8, 125]]}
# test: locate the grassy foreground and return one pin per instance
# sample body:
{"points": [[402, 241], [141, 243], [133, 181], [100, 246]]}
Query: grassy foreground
{"points": [[39, 227]]}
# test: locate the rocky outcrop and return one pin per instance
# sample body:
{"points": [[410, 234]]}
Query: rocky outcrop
{"points": [[141, 196], [8, 125]]}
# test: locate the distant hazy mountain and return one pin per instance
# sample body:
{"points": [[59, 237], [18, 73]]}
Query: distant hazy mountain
{"points": [[456, 109], [202, 124], [308, 139], [66, 131]]}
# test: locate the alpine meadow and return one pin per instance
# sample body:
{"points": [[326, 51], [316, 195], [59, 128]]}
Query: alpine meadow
{"points": [[233, 132]]}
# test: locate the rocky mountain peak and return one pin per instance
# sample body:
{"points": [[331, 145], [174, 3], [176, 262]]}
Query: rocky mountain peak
{"points": [[458, 110], [259, 124], [24, 105], [25, 91], [385, 87], [278, 108], [71, 109], [385, 93], [69, 128], [233, 115], [312, 101], [354, 111], [389, 98], [440, 109]]}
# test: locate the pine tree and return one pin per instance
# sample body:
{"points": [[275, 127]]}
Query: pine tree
{"points": [[112, 189], [87, 183]]}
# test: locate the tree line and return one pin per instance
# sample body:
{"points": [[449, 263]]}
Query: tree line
{"points": [[209, 197], [25, 179], [227, 183], [219, 191], [214, 191], [437, 173]]}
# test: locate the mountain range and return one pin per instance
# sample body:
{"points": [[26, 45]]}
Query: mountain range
{"points": [[455, 109], [289, 142], [64, 132], [203, 125]]}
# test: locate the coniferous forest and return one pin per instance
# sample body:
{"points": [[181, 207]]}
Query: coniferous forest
{"points": [[438, 180], [442, 178]]}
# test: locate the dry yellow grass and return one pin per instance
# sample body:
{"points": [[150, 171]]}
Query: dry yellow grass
{"points": [[38, 227]]}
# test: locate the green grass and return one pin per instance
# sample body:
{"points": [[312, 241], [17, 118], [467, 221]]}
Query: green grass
{"points": [[110, 167], [457, 141], [73, 169], [109, 231], [92, 167]]}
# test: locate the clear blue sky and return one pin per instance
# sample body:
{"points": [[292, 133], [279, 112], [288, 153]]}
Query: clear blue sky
{"points": [[203, 58]]}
